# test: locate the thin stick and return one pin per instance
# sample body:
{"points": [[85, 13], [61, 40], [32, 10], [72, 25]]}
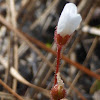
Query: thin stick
{"points": [[91, 30], [13, 20], [9, 44], [10, 90]]}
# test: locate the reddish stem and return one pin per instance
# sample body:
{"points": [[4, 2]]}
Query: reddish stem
{"points": [[58, 61]]}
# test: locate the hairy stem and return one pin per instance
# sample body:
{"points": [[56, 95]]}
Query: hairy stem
{"points": [[58, 61]]}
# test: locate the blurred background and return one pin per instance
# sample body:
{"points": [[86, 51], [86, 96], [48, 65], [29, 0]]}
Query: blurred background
{"points": [[27, 50]]}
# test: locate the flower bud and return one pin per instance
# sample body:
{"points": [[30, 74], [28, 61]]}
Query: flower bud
{"points": [[58, 92], [68, 22]]}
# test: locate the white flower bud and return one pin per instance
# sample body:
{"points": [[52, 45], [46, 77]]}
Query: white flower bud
{"points": [[69, 20]]}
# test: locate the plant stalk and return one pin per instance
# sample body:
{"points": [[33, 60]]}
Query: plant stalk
{"points": [[58, 62]]}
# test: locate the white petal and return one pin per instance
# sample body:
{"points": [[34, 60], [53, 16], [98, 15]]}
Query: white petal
{"points": [[70, 8], [75, 23], [69, 20]]}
